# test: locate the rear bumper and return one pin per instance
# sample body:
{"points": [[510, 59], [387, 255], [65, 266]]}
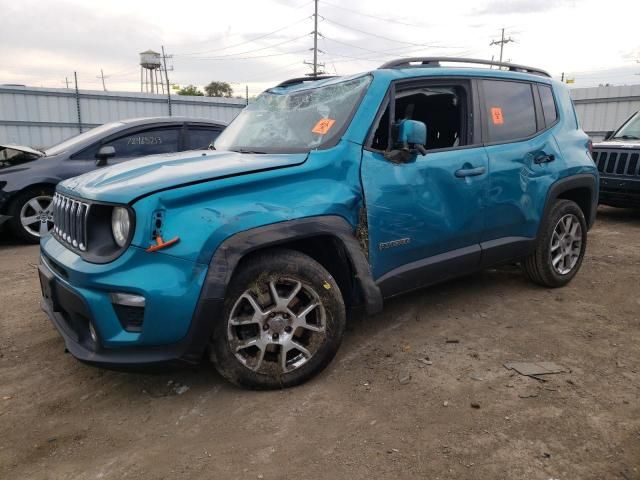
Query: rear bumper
{"points": [[619, 191]]}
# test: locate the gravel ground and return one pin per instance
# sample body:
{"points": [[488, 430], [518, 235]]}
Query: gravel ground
{"points": [[418, 391]]}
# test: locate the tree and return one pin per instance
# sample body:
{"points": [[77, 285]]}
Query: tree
{"points": [[219, 89], [191, 90]]}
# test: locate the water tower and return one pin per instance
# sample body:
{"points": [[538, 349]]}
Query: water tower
{"points": [[150, 72]]}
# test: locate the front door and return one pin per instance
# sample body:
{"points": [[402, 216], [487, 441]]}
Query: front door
{"points": [[425, 217]]}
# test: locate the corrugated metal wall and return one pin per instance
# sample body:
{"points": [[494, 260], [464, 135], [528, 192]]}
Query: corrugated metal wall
{"points": [[601, 109], [40, 117]]}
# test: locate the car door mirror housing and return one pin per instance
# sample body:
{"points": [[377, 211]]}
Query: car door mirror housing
{"points": [[105, 153], [410, 138], [608, 135]]}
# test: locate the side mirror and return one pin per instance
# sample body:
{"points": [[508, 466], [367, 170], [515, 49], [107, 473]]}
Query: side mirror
{"points": [[609, 134], [106, 152], [410, 137]]}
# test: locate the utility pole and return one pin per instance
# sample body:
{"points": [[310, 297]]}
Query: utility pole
{"points": [[315, 63], [562, 77], [66, 81], [102, 77], [166, 77], [501, 42], [246, 93], [75, 77]]}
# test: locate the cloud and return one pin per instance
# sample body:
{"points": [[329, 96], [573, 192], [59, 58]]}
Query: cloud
{"points": [[505, 7]]}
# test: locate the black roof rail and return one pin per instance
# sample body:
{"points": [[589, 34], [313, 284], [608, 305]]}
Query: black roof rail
{"points": [[435, 62], [310, 78]]}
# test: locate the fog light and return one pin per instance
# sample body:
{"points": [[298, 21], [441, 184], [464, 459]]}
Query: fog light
{"points": [[129, 309], [127, 299], [92, 332]]}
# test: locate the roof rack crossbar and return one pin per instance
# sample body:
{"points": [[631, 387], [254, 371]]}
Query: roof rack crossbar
{"points": [[309, 78], [435, 62]]}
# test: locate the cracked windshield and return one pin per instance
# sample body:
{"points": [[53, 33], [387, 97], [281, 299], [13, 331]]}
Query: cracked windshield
{"points": [[282, 121]]}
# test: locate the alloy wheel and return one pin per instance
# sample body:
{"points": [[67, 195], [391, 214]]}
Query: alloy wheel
{"points": [[36, 215], [276, 326], [566, 244]]}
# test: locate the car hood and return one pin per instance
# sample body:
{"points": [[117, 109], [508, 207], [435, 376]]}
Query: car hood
{"points": [[13, 155], [130, 180], [618, 144]]}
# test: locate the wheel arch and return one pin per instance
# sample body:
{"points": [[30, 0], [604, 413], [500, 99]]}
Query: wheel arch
{"points": [[581, 189], [32, 186], [327, 239]]}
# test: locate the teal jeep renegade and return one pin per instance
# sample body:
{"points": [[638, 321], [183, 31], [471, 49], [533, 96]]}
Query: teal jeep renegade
{"points": [[322, 197]]}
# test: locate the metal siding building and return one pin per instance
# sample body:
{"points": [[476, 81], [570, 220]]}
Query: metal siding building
{"points": [[601, 109], [40, 117]]}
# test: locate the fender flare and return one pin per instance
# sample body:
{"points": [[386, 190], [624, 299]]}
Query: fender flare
{"points": [[233, 249], [583, 180]]}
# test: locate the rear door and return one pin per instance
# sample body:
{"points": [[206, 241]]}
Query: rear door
{"points": [[519, 119]]}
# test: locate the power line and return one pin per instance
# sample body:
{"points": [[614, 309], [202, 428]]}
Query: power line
{"points": [[502, 43], [375, 34], [371, 50], [254, 50], [247, 58], [246, 41], [389, 20]]}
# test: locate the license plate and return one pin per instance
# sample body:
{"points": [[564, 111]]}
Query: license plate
{"points": [[47, 285]]}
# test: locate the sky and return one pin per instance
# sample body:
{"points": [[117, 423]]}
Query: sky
{"points": [[258, 43]]}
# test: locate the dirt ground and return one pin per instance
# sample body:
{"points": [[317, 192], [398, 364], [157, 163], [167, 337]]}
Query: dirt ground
{"points": [[395, 403]]}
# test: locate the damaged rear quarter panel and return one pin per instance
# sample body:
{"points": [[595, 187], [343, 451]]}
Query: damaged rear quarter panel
{"points": [[204, 215]]}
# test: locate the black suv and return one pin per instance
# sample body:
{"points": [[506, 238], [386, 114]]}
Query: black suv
{"points": [[618, 160], [28, 177]]}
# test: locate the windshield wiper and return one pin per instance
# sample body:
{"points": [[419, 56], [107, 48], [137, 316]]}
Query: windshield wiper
{"points": [[242, 150], [627, 137]]}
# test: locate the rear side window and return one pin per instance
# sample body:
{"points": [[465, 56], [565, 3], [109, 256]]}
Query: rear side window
{"points": [[138, 144], [510, 110], [548, 105]]}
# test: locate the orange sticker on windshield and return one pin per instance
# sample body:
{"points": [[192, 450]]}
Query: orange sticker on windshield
{"points": [[496, 115], [323, 126]]}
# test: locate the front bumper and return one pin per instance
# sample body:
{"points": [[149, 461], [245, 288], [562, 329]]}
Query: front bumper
{"points": [[176, 325], [619, 191]]}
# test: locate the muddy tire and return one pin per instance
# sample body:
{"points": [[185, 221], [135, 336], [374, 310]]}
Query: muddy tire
{"points": [[560, 248], [284, 318]]}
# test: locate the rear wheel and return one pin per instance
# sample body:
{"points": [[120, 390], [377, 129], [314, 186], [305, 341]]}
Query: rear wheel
{"points": [[32, 214], [561, 246], [283, 323]]}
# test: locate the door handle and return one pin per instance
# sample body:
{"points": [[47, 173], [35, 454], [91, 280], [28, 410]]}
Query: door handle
{"points": [[544, 158], [470, 172]]}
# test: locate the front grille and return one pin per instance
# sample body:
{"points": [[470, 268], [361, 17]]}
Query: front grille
{"points": [[617, 162], [70, 221]]}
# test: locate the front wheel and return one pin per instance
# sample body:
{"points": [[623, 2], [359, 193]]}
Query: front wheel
{"points": [[283, 322], [560, 247], [32, 214]]}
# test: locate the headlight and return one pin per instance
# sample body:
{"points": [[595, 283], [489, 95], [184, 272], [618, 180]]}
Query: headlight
{"points": [[120, 225]]}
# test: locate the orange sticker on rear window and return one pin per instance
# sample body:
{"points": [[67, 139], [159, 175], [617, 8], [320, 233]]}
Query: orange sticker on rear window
{"points": [[496, 116], [323, 126]]}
